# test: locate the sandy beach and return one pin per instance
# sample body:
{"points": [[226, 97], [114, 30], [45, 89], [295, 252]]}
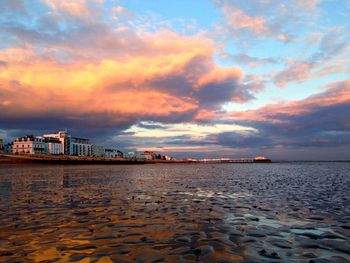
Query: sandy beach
{"points": [[296, 212]]}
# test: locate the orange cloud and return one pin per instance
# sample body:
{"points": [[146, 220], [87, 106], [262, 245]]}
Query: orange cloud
{"points": [[36, 84], [219, 75], [82, 88]]}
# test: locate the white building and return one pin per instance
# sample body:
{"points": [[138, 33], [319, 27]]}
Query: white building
{"points": [[79, 146], [72, 145], [53, 146], [29, 145], [149, 155], [131, 155], [112, 153], [62, 136], [168, 158]]}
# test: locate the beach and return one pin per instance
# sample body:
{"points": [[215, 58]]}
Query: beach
{"points": [[278, 212]]}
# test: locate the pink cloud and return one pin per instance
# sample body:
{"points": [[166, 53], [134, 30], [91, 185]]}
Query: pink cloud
{"points": [[309, 4], [203, 115], [77, 8], [337, 93], [239, 20], [298, 72], [119, 10]]}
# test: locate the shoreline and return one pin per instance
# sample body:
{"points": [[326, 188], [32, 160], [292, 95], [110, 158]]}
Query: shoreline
{"points": [[65, 159]]}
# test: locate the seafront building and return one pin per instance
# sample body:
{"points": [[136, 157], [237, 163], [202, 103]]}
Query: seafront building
{"points": [[79, 147], [29, 145], [62, 137], [131, 155], [60, 143], [113, 153], [98, 151], [72, 145], [149, 155], [53, 146]]}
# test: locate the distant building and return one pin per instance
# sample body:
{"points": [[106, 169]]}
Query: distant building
{"points": [[2, 146], [53, 146], [142, 156], [166, 157], [79, 146], [58, 143], [98, 151], [62, 136], [131, 155], [149, 155], [111, 153], [29, 145], [72, 145]]}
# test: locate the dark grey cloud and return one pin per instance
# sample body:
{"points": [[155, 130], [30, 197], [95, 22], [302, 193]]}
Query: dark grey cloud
{"points": [[150, 125], [215, 94], [177, 85], [97, 127], [239, 140], [319, 126], [210, 95]]}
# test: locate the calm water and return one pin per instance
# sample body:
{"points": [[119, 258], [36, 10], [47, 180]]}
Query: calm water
{"points": [[291, 212]]}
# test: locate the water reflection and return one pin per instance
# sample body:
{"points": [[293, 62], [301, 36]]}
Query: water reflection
{"points": [[5, 189], [172, 213]]}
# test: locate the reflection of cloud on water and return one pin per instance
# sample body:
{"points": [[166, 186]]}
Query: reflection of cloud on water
{"points": [[208, 194]]}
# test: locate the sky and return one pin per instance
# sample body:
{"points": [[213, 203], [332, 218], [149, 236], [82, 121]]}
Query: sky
{"points": [[199, 78]]}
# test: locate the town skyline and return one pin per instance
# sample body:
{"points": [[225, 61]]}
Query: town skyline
{"points": [[190, 79]]}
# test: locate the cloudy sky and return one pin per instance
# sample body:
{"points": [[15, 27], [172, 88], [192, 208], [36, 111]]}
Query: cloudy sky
{"points": [[201, 78]]}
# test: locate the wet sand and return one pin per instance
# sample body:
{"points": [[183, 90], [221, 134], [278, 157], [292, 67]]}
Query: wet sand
{"points": [[288, 212]]}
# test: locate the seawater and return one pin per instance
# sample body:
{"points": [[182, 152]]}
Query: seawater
{"points": [[279, 212]]}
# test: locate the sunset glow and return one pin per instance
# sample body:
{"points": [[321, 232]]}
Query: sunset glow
{"points": [[207, 78]]}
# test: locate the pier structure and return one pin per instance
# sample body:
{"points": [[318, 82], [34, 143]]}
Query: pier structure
{"points": [[236, 160]]}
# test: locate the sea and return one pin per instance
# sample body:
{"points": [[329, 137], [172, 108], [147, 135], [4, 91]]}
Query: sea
{"points": [[277, 212]]}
